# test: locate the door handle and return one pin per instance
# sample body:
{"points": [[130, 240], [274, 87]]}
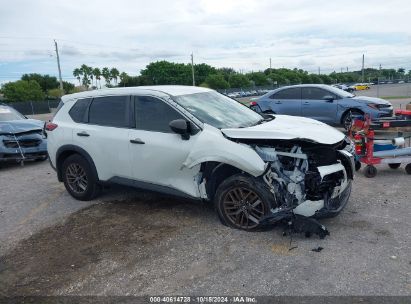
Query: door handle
{"points": [[137, 141], [306, 103], [278, 102], [85, 134]]}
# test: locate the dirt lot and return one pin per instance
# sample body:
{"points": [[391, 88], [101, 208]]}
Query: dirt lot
{"points": [[136, 243], [129, 242]]}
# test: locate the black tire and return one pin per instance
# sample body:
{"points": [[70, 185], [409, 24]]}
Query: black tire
{"points": [[408, 168], [242, 201], [346, 119], [357, 165], [86, 188], [370, 171], [394, 166]]}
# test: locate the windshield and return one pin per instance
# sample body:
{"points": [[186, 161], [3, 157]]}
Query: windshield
{"points": [[339, 92], [7, 114], [218, 110]]}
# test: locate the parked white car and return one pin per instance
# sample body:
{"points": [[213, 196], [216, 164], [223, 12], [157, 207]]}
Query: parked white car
{"points": [[194, 142]]}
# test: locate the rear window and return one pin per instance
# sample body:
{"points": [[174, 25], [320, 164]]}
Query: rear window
{"points": [[111, 111], [292, 93], [79, 111]]}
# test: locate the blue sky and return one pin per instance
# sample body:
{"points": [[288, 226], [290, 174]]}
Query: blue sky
{"points": [[242, 34]]}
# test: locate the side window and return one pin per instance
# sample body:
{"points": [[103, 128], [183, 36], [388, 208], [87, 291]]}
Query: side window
{"points": [[316, 93], [153, 114], [78, 111], [292, 93], [111, 111]]}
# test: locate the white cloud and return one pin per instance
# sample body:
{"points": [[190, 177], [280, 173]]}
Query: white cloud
{"points": [[242, 34]]}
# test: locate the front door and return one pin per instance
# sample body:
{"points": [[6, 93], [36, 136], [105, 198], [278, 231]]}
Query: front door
{"points": [[316, 104], [157, 154]]}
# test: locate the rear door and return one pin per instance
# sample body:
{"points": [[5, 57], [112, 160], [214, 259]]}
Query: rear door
{"points": [[103, 132], [315, 105], [287, 101]]}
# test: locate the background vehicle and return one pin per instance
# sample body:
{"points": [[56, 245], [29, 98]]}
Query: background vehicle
{"points": [[194, 142], [20, 138], [344, 87], [361, 86], [321, 102]]}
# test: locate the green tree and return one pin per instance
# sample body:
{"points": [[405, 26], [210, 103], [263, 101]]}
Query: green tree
{"points": [[239, 81], [105, 72], [259, 78], [216, 81], [78, 73], [56, 93], [67, 87], [164, 72], [23, 90], [114, 73], [46, 82], [87, 74], [201, 71], [97, 75], [124, 79]]}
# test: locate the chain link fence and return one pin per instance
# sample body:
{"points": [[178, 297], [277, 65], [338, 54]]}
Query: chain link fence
{"points": [[34, 107]]}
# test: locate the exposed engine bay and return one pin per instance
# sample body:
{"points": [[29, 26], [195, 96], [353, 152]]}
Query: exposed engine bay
{"points": [[306, 181]]}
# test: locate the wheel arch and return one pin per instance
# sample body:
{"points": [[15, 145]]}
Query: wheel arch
{"points": [[215, 173], [67, 150], [347, 111]]}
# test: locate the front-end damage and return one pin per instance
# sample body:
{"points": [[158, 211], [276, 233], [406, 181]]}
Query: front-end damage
{"points": [[307, 180]]}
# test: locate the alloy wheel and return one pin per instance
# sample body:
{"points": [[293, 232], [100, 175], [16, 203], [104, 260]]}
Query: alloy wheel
{"points": [[243, 207], [76, 178]]}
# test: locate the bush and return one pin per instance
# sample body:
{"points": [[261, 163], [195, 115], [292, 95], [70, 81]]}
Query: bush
{"points": [[23, 90]]}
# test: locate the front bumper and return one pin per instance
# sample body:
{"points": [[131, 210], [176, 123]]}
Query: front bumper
{"points": [[23, 153]]}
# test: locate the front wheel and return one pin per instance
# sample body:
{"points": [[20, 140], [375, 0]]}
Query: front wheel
{"points": [[243, 201], [79, 179], [348, 118]]}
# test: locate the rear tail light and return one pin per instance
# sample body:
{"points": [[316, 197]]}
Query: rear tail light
{"points": [[253, 103], [50, 126]]}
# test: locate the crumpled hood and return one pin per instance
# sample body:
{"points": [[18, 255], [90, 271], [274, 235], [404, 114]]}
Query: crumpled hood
{"points": [[374, 100], [289, 127], [20, 126]]}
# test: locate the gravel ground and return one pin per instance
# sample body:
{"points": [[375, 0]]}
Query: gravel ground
{"points": [[129, 242]]}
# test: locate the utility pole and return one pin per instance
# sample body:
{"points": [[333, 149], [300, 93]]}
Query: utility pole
{"points": [[363, 68], [270, 64], [347, 69], [319, 71], [58, 65], [192, 69], [341, 70]]}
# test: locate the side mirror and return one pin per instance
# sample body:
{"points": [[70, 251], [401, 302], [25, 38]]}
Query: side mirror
{"points": [[328, 98], [182, 127]]}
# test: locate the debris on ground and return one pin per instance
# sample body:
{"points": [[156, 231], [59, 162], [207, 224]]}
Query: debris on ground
{"points": [[318, 249]]}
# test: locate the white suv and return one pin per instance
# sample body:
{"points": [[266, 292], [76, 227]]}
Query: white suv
{"points": [[194, 142]]}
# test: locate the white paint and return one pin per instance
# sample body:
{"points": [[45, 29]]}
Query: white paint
{"points": [[326, 170], [309, 208], [211, 145], [289, 127]]}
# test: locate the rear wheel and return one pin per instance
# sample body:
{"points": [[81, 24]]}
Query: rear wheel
{"points": [[243, 201], [394, 166], [79, 178], [408, 168], [370, 171]]}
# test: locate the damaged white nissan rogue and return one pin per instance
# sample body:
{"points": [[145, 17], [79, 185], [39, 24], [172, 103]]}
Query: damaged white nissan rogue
{"points": [[197, 143]]}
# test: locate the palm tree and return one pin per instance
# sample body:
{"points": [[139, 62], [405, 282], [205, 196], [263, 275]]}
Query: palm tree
{"points": [[97, 74], [124, 78], [114, 73], [77, 73], [105, 72], [86, 73]]}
